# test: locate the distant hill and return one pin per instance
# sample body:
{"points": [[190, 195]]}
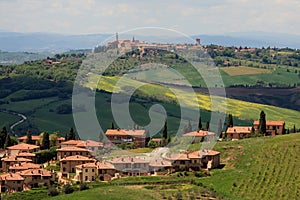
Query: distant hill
{"points": [[53, 43]]}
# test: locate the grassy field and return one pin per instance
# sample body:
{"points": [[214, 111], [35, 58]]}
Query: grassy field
{"points": [[243, 70], [258, 168], [7, 119]]}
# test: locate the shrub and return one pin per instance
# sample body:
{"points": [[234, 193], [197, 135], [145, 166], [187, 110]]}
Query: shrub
{"points": [[67, 189], [52, 192], [83, 186]]}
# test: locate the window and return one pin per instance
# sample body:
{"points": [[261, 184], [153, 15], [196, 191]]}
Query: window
{"points": [[86, 170], [93, 170], [64, 169], [86, 178]]}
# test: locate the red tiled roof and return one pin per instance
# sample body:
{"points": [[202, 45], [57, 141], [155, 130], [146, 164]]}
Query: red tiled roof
{"points": [[89, 143], [33, 137], [25, 154], [61, 139], [77, 157], [239, 129], [23, 146], [160, 163], [127, 160], [270, 123], [98, 165], [72, 148], [199, 133], [125, 132], [71, 142], [14, 158], [25, 165], [193, 155], [11, 177], [156, 139], [35, 172]]}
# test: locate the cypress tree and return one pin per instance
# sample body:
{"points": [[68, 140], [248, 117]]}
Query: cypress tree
{"points": [[29, 138], [219, 128], [45, 141], [207, 125], [3, 135], [200, 124], [112, 125], [262, 123], [229, 121], [165, 133], [71, 135], [8, 141]]}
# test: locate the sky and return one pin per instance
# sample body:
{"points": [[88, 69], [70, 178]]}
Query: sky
{"points": [[190, 16]]}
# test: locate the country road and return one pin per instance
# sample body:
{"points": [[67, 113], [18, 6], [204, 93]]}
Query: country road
{"points": [[23, 119]]}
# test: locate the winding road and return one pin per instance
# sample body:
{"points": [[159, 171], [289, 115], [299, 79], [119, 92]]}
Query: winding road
{"points": [[23, 119]]}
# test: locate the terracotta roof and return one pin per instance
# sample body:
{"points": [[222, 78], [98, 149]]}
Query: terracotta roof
{"points": [[77, 157], [25, 165], [71, 142], [89, 143], [98, 165], [33, 137], [160, 163], [61, 138], [156, 139], [127, 160], [14, 158], [199, 133], [25, 154], [11, 177], [35, 172], [72, 148], [239, 129], [23, 146], [177, 156], [270, 123], [193, 155], [125, 132]]}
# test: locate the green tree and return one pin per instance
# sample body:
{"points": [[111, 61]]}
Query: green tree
{"points": [[229, 121], [262, 123], [219, 128], [45, 143], [187, 128], [3, 135], [8, 141], [29, 138], [53, 138], [207, 126], [165, 133], [294, 129], [200, 124], [71, 135], [112, 125]]}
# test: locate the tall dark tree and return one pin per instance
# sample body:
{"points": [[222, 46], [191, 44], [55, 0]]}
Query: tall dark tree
{"points": [[165, 133], [262, 123], [294, 129], [3, 135], [112, 125], [229, 121], [45, 144], [66, 137], [219, 128], [207, 126], [188, 128], [8, 141], [29, 137], [200, 124], [101, 136], [71, 135]]}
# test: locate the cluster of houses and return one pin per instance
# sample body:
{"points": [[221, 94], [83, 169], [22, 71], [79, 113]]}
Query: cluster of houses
{"points": [[20, 171]]}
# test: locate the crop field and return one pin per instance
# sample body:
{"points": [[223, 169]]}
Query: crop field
{"points": [[258, 168], [243, 70]]}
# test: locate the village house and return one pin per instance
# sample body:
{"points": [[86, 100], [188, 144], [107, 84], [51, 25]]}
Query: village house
{"points": [[199, 135], [90, 145], [272, 127], [136, 137], [239, 132], [131, 166], [68, 164], [194, 161], [11, 182], [70, 143], [22, 148], [36, 139], [160, 167], [90, 171], [23, 166], [72, 151], [34, 177], [11, 160]]}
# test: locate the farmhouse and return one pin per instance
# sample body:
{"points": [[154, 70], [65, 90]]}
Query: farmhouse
{"points": [[36, 139], [239, 132], [11, 160], [91, 145], [23, 166], [72, 151], [198, 136], [132, 166], [70, 143], [33, 177], [160, 167], [68, 164], [11, 182], [90, 171], [22, 148], [136, 137], [272, 127]]}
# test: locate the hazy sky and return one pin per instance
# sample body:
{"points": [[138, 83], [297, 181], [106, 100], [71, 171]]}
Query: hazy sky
{"points": [[190, 16]]}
